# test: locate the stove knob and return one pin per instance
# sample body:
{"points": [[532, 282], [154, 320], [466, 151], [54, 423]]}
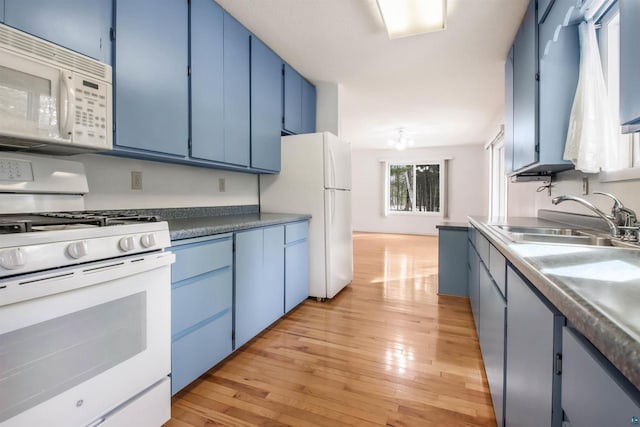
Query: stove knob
{"points": [[127, 244], [148, 240], [78, 249], [12, 259]]}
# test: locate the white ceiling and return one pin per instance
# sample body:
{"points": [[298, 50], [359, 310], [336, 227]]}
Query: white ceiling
{"points": [[445, 88]]}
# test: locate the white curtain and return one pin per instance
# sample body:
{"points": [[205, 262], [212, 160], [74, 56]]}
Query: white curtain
{"points": [[592, 139]]}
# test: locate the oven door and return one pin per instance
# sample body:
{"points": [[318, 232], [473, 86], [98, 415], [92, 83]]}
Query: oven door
{"points": [[89, 338]]}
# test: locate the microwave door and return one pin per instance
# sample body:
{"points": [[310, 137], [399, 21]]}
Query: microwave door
{"points": [[30, 105]]}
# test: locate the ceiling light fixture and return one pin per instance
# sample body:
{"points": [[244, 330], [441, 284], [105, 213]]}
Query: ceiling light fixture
{"points": [[402, 141], [404, 18]]}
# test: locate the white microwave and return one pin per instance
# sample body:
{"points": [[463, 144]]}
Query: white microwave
{"points": [[52, 100]]}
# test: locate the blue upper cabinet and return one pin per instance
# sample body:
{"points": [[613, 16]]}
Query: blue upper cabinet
{"points": [[308, 107], [629, 65], [266, 107], [80, 25], [220, 97], [541, 86], [207, 80], [559, 52], [299, 103], [151, 81], [525, 90], [237, 96], [1, 10], [292, 122], [508, 110]]}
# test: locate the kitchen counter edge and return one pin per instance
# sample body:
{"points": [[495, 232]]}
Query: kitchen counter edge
{"points": [[621, 349]]}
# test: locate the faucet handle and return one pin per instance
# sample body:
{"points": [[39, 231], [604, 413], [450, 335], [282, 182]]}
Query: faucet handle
{"points": [[617, 204]]}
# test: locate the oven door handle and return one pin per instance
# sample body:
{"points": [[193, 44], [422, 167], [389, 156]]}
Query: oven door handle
{"points": [[37, 285]]}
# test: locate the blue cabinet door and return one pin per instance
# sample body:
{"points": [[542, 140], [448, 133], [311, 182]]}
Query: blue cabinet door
{"points": [[201, 307], [308, 107], [151, 82], [474, 289], [508, 113], [532, 395], [273, 273], [1, 10], [629, 63], [452, 254], [525, 91], [80, 25], [259, 281], [207, 89], [237, 99], [492, 339], [266, 107], [559, 57], [594, 393], [296, 279], [292, 100]]}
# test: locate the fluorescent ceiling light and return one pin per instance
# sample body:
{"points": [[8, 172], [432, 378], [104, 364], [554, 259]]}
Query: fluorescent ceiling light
{"points": [[404, 18]]}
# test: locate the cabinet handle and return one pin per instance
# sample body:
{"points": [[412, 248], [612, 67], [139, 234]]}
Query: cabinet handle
{"points": [[558, 364]]}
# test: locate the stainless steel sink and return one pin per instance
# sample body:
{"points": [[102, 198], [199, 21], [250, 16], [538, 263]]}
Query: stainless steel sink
{"points": [[540, 230], [549, 235]]}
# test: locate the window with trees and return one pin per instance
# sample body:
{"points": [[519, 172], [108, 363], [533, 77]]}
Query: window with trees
{"points": [[415, 188]]}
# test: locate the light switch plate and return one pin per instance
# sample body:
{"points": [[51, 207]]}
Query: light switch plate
{"points": [[136, 180], [222, 185]]}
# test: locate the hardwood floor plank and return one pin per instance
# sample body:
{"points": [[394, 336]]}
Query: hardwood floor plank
{"points": [[386, 351]]}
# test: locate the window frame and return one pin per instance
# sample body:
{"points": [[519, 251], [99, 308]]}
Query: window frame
{"points": [[442, 213], [630, 164]]}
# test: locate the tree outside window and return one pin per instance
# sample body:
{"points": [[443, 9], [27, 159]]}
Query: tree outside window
{"points": [[414, 188]]}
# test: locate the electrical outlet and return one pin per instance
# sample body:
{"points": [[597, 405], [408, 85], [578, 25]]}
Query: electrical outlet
{"points": [[136, 180], [585, 185], [222, 185]]}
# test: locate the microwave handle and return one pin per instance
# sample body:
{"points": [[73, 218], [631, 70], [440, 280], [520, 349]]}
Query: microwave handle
{"points": [[67, 105]]}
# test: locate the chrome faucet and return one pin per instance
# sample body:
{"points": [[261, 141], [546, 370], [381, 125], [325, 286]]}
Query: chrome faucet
{"points": [[613, 227], [630, 217]]}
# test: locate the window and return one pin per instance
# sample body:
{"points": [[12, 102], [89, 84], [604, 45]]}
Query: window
{"points": [[498, 177], [415, 188], [609, 40]]}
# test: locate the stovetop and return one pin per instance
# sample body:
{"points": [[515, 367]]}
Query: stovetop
{"points": [[51, 221]]}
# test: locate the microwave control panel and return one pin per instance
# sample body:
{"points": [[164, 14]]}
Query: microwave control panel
{"points": [[91, 124]]}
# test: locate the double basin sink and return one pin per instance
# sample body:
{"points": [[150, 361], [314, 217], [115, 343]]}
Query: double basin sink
{"points": [[550, 235]]}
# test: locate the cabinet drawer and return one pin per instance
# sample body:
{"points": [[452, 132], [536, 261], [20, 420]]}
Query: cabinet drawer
{"points": [[594, 394], [482, 246], [498, 269], [199, 258], [297, 231], [194, 354], [200, 298]]}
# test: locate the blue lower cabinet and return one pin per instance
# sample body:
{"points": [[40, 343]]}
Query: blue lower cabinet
{"points": [[532, 397], [594, 393], [195, 353], [474, 284], [201, 307], [493, 310], [259, 281], [296, 265], [452, 262]]}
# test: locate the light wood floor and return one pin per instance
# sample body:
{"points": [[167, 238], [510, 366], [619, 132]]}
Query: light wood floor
{"points": [[387, 351]]}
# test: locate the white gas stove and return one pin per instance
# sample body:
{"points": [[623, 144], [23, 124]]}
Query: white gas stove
{"points": [[84, 304]]}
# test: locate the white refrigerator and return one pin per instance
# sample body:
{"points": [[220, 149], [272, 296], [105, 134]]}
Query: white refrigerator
{"points": [[316, 179]]}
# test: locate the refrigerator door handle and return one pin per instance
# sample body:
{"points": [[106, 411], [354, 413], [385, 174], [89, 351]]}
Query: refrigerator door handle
{"points": [[333, 206], [333, 167]]}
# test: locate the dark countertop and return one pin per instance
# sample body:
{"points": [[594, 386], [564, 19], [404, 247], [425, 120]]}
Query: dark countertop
{"points": [[452, 225], [596, 288], [187, 228]]}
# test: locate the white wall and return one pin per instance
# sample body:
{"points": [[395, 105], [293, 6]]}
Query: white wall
{"points": [[163, 185], [525, 201], [468, 188]]}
